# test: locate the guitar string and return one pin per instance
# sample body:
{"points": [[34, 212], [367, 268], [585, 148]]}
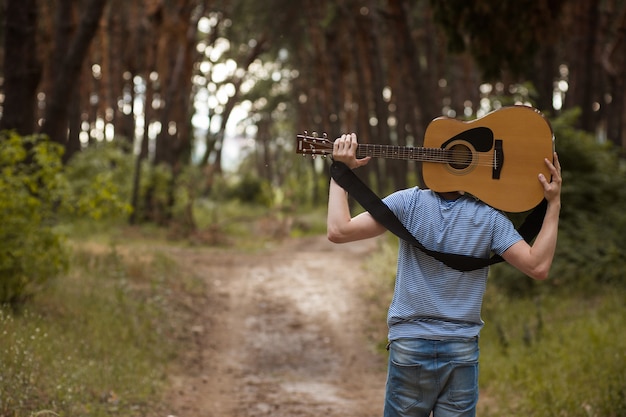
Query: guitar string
{"points": [[436, 155], [480, 160], [429, 155]]}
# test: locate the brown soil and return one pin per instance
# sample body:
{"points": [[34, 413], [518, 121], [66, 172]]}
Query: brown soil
{"points": [[283, 332]]}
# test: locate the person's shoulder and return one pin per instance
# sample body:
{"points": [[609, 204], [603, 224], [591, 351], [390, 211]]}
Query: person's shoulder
{"points": [[416, 193], [473, 201], [479, 209], [404, 197], [406, 191]]}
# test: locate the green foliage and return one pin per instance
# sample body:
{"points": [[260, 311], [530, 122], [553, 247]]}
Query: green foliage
{"points": [[100, 179], [593, 226], [33, 187], [592, 232], [309, 186], [42, 191], [554, 355], [252, 189], [165, 197], [155, 192], [97, 343]]}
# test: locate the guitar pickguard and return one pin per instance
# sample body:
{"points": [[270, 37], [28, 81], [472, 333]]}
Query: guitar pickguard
{"points": [[481, 138], [464, 148]]}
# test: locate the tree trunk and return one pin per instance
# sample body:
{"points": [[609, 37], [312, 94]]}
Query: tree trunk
{"points": [[22, 70], [381, 133], [581, 61], [403, 87], [66, 73], [614, 65], [361, 89], [74, 117], [543, 77]]}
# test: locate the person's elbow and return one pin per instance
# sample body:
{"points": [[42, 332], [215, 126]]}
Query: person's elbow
{"points": [[522, 257], [342, 231], [332, 236], [539, 273], [338, 235], [348, 233], [335, 235], [361, 227], [540, 268]]}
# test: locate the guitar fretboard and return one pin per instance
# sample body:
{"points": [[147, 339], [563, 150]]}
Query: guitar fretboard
{"points": [[403, 152]]}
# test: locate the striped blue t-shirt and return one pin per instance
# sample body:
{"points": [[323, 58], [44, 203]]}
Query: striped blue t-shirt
{"points": [[431, 300]]}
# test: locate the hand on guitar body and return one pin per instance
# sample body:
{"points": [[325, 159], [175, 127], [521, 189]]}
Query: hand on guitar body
{"points": [[552, 189], [535, 260]]}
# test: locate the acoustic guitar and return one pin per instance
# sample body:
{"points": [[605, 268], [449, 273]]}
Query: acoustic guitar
{"points": [[496, 158]]}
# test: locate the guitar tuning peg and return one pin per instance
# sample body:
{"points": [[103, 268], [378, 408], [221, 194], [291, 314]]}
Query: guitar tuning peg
{"points": [[325, 135], [306, 133], [314, 134]]}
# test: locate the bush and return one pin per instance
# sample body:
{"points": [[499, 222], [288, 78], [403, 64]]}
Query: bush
{"points": [[33, 186], [41, 191], [593, 226], [251, 189], [100, 181]]}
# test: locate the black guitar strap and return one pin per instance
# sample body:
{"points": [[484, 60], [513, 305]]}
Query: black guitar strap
{"points": [[379, 210]]}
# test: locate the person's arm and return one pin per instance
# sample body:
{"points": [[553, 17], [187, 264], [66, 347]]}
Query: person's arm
{"points": [[536, 260], [341, 226]]}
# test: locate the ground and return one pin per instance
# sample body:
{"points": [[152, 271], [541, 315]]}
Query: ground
{"points": [[284, 332]]}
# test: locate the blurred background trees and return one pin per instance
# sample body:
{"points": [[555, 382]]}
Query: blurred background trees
{"points": [[178, 79], [176, 97]]}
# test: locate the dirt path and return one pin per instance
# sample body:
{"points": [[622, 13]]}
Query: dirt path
{"points": [[283, 334]]}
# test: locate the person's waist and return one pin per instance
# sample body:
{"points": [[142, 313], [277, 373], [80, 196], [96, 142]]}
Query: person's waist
{"points": [[433, 329]]}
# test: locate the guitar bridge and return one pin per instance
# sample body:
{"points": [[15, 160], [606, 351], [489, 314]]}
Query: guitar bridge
{"points": [[498, 159]]}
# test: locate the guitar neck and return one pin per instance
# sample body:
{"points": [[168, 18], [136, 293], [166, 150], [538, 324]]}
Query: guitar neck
{"points": [[403, 152]]}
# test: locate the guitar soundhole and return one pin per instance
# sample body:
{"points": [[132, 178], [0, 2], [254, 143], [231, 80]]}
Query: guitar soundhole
{"points": [[461, 157]]}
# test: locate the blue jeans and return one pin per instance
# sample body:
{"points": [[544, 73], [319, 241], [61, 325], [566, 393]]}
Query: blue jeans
{"points": [[432, 375]]}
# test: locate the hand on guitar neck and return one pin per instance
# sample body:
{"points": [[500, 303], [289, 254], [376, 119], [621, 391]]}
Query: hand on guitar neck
{"points": [[344, 150]]}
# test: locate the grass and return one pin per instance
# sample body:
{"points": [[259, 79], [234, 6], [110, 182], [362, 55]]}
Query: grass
{"points": [[555, 356], [98, 341], [559, 355]]}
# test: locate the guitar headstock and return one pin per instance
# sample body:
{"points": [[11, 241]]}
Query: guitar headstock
{"points": [[313, 144]]}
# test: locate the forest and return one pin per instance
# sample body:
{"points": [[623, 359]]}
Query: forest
{"points": [[179, 118]]}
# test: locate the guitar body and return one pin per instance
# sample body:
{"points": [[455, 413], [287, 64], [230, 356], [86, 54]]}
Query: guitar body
{"points": [[495, 158]]}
